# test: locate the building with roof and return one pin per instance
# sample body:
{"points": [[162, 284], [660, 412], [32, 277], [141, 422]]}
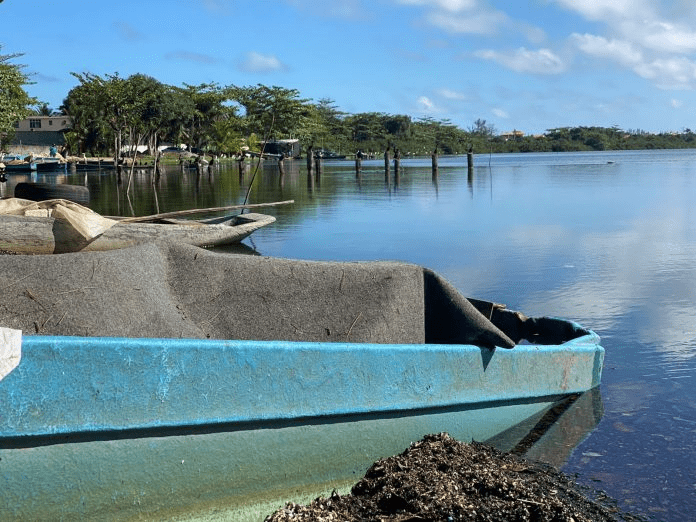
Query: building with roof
{"points": [[36, 134]]}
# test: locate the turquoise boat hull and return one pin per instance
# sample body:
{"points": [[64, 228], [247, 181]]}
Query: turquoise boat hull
{"points": [[104, 428]]}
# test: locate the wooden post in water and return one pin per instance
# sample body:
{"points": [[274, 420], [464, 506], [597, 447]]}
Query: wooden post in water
{"points": [[310, 158], [386, 162], [434, 159], [358, 163], [281, 167], [318, 166], [310, 182], [397, 161], [470, 160]]}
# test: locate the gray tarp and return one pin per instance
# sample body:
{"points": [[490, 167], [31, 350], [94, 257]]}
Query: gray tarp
{"points": [[183, 291]]}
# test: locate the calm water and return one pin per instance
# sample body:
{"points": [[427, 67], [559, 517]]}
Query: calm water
{"points": [[606, 239]]}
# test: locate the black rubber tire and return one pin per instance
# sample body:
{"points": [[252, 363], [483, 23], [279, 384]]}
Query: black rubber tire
{"points": [[43, 191]]}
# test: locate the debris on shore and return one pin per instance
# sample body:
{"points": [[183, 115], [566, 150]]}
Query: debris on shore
{"points": [[440, 478]]}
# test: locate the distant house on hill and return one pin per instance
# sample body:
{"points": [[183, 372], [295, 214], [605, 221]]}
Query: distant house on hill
{"points": [[40, 132], [512, 135]]}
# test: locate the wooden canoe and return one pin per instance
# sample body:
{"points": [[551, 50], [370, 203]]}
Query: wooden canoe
{"points": [[46, 235]]}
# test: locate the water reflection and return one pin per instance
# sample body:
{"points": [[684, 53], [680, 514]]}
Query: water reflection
{"points": [[552, 436]]}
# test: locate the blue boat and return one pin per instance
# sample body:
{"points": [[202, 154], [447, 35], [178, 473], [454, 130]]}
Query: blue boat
{"points": [[49, 164], [106, 427], [16, 165]]}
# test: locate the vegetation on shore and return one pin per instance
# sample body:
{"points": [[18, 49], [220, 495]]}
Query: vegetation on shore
{"points": [[110, 112], [15, 103]]}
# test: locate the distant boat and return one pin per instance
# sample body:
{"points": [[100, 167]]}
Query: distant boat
{"points": [[19, 163], [48, 164], [13, 165], [83, 163], [329, 155]]}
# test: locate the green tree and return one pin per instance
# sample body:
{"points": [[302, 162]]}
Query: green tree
{"points": [[42, 109], [366, 127], [15, 103], [273, 111], [226, 137], [481, 128], [113, 110], [209, 105]]}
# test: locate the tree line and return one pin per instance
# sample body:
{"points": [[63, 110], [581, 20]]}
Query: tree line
{"points": [[109, 111], [111, 114]]}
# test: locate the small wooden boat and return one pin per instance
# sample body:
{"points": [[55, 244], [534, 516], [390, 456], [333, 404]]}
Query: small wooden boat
{"points": [[48, 164], [88, 164], [48, 235], [304, 373], [202, 233]]}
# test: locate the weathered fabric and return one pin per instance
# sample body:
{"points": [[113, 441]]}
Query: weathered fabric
{"points": [[183, 291], [84, 221]]}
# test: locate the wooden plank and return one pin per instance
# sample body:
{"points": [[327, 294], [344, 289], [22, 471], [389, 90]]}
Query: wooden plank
{"points": [[194, 211]]}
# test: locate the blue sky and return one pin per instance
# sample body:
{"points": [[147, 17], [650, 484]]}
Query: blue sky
{"points": [[529, 65]]}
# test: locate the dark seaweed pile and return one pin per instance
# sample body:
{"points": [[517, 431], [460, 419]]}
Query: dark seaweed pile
{"points": [[439, 478]]}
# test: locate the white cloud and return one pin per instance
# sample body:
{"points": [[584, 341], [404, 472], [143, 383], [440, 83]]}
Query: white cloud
{"points": [[452, 95], [665, 37], [500, 113], [676, 104], [448, 5], [637, 21], [617, 50], [657, 51], [670, 73], [475, 23], [472, 17], [609, 10], [260, 63], [426, 104], [642, 36], [543, 61]]}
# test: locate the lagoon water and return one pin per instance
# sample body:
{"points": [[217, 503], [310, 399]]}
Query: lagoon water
{"points": [[605, 239]]}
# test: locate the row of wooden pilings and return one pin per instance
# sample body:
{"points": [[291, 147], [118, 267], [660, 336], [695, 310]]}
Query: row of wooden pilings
{"points": [[314, 163], [397, 162]]}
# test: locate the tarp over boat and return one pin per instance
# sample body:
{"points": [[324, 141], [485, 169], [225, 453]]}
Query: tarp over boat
{"points": [[81, 219], [175, 291]]}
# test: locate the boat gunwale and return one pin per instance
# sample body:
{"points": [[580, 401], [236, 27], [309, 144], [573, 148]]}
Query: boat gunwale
{"points": [[585, 346]]}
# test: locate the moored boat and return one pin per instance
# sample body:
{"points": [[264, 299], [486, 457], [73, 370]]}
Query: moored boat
{"points": [[48, 164], [73, 228], [289, 373], [16, 166], [329, 155]]}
